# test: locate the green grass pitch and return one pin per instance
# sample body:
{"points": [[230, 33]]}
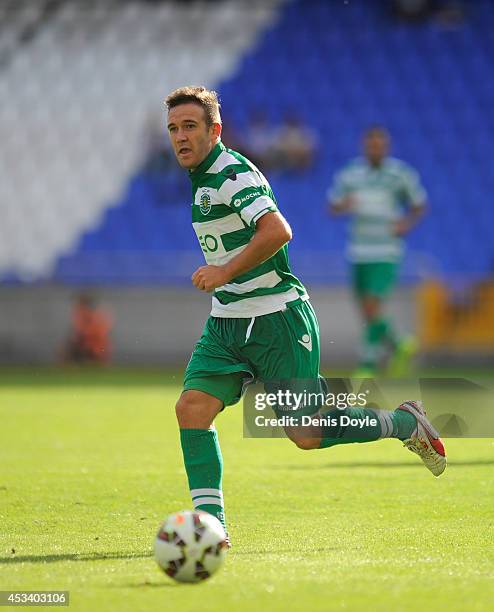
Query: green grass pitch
{"points": [[90, 467]]}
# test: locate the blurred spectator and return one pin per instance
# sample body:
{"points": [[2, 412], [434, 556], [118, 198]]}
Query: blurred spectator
{"points": [[158, 154], [295, 145], [289, 147], [229, 137], [89, 340], [165, 184], [411, 10], [448, 12], [260, 140]]}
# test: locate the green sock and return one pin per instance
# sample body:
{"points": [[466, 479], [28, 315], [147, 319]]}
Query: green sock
{"points": [[340, 433], [403, 424], [204, 467], [373, 336], [388, 332], [376, 333], [395, 424]]}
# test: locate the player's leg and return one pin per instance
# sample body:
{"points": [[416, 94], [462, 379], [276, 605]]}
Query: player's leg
{"points": [[213, 379], [372, 283], [382, 282], [285, 347], [196, 412], [285, 350], [373, 335], [407, 423]]}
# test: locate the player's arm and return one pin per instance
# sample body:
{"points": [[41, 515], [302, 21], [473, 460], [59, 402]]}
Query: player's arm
{"points": [[339, 197], [272, 232], [409, 220], [341, 206], [416, 196]]}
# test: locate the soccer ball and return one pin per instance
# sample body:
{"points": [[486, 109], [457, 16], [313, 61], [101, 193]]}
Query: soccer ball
{"points": [[190, 546]]}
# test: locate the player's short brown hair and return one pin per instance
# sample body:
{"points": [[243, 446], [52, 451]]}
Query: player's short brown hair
{"points": [[377, 130], [206, 98]]}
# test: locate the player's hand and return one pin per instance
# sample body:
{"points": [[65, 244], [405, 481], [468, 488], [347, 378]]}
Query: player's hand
{"points": [[349, 203], [346, 205], [208, 278], [401, 227]]}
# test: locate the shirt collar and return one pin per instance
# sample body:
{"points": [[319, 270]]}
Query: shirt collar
{"points": [[209, 160], [375, 168]]}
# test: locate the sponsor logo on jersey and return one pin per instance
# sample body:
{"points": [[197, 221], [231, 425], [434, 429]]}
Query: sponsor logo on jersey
{"points": [[205, 203], [209, 243], [239, 201]]}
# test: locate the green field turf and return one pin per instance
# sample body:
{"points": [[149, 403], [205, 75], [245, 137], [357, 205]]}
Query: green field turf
{"points": [[89, 468]]}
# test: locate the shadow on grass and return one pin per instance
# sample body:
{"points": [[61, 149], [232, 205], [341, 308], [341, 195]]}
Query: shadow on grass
{"points": [[165, 583], [286, 551], [371, 464], [73, 557]]}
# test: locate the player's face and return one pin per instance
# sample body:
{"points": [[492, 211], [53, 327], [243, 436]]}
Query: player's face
{"points": [[376, 147], [191, 138]]}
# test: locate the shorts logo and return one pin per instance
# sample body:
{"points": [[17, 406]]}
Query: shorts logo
{"points": [[306, 341], [205, 203]]}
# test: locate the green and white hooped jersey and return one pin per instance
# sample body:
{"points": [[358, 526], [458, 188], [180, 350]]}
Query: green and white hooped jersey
{"points": [[379, 196], [229, 195]]}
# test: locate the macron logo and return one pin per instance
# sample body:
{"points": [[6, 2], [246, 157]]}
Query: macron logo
{"points": [[306, 342]]}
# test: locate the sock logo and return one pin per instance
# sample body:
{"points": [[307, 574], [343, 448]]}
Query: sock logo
{"points": [[306, 342]]}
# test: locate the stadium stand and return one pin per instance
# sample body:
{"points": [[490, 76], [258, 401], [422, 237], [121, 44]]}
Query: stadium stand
{"points": [[81, 78], [79, 206]]}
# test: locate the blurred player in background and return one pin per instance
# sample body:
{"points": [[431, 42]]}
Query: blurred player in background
{"points": [[385, 198], [262, 325]]}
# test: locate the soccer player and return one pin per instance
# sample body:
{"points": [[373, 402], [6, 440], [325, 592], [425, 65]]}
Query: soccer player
{"points": [[385, 198], [262, 325]]}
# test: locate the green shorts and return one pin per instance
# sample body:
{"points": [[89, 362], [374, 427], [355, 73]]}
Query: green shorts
{"points": [[376, 279], [231, 353]]}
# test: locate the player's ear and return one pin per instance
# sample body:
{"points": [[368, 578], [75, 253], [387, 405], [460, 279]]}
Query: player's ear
{"points": [[216, 130]]}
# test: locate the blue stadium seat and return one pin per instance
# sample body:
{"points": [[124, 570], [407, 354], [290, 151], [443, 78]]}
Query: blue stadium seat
{"points": [[433, 88]]}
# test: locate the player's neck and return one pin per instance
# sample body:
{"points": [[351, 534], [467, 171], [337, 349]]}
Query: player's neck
{"points": [[375, 164], [214, 145]]}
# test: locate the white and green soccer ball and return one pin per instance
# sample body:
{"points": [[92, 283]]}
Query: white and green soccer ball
{"points": [[190, 546]]}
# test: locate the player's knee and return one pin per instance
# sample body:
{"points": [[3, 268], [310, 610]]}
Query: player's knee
{"points": [[185, 409], [196, 410], [307, 443], [181, 408], [371, 308]]}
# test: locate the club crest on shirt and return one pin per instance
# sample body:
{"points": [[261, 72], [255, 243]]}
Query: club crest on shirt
{"points": [[205, 203]]}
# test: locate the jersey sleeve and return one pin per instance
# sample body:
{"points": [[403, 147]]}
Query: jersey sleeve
{"points": [[249, 195], [339, 188], [413, 191]]}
